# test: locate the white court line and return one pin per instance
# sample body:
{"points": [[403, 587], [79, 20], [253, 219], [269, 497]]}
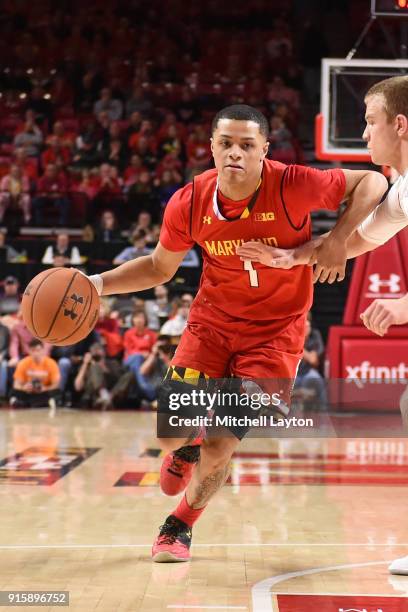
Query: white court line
{"points": [[187, 607], [215, 545], [261, 591]]}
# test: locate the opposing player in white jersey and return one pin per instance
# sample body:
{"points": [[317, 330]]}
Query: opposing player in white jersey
{"points": [[386, 134]]}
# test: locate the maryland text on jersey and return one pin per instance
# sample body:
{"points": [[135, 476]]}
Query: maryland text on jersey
{"points": [[227, 247]]}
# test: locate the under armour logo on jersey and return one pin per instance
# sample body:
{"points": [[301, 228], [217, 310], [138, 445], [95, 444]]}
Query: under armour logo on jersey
{"points": [[77, 299], [376, 282], [207, 220]]}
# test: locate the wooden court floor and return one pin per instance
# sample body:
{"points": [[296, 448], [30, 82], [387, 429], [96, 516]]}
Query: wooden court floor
{"points": [[302, 526]]}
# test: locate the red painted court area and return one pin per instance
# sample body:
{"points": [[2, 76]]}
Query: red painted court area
{"points": [[341, 603]]}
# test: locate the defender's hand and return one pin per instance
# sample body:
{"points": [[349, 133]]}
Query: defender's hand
{"points": [[383, 313], [330, 261], [267, 255]]}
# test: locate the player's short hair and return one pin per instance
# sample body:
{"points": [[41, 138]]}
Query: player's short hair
{"points": [[395, 92], [242, 112]]}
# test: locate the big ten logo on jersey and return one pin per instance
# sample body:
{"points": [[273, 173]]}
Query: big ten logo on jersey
{"points": [[383, 286], [265, 216]]}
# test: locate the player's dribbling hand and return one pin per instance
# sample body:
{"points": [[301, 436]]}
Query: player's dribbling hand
{"points": [[381, 314], [330, 259], [267, 255]]}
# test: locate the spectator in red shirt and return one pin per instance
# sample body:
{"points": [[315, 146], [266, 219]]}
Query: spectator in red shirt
{"points": [[146, 132], [55, 154], [138, 342], [52, 190], [133, 171], [107, 190], [65, 138]]}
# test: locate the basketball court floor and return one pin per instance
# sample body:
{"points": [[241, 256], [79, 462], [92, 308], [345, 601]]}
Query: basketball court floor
{"points": [[302, 526]]}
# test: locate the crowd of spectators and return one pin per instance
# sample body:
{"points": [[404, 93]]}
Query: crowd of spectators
{"points": [[105, 113], [95, 114], [119, 364]]}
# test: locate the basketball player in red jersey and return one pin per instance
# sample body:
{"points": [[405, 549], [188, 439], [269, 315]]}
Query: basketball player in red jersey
{"points": [[247, 321]]}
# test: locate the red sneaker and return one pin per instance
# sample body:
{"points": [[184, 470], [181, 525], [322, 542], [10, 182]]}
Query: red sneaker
{"points": [[173, 543], [177, 469]]}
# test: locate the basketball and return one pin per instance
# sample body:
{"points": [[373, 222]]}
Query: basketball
{"points": [[60, 306]]}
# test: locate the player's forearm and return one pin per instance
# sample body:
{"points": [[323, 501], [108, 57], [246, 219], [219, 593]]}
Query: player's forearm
{"points": [[356, 245], [303, 253], [362, 201], [132, 276]]}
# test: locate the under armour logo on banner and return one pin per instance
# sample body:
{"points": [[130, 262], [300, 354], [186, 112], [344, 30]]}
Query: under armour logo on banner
{"points": [[392, 284], [77, 299], [207, 220], [358, 610]]}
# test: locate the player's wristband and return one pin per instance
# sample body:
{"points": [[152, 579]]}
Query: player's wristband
{"points": [[97, 281]]}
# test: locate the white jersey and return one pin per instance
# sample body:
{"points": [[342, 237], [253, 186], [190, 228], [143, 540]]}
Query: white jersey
{"points": [[390, 216]]}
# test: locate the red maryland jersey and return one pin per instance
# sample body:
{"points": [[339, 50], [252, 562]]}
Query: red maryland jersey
{"points": [[278, 214]]}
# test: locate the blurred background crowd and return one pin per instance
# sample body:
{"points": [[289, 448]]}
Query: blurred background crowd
{"points": [[105, 112]]}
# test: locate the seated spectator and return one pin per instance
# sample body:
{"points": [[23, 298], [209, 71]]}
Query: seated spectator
{"points": [[280, 142], [142, 194], [28, 165], [107, 186], [158, 310], [135, 122], [138, 102], [108, 328], [86, 154], [8, 253], [138, 342], [98, 379], [52, 190], [147, 154], [155, 366], [65, 138], [108, 230], [56, 154], [133, 171], [115, 154], [138, 249], [61, 254], [309, 383], [188, 107], [176, 325], [171, 142], [30, 138], [171, 162], [143, 222], [4, 355], [10, 297], [36, 379], [145, 134], [167, 185], [198, 152], [112, 106], [15, 193]]}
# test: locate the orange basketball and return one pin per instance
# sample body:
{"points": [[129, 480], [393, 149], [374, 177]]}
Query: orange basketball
{"points": [[60, 306]]}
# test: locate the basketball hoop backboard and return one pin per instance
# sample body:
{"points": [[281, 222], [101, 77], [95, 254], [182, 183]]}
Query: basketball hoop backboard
{"points": [[340, 124]]}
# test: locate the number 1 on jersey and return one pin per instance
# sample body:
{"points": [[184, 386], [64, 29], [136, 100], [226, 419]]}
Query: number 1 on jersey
{"points": [[253, 274]]}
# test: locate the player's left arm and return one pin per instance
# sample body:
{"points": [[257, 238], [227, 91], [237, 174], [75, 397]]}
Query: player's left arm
{"points": [[364, 190]]}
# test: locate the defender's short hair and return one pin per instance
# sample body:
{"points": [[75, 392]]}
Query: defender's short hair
{"points": [[242, 112], [395, 92]]}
